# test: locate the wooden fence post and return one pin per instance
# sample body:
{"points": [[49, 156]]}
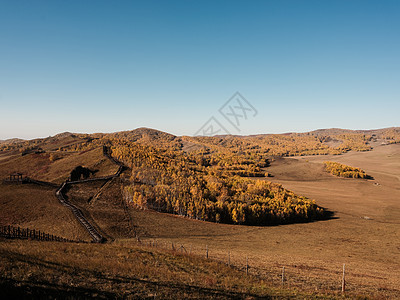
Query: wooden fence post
{"points": [[343, 279], [247, 265]]}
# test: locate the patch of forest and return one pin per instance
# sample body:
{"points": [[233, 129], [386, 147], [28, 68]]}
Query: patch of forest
{"points": [[201, 186], [345, 171]]}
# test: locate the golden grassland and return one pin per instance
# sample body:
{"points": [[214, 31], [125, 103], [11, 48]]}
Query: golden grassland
{"points": [[124, 270]]}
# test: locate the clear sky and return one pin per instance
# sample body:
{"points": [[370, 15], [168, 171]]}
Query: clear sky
{"points": [[104, 66]]}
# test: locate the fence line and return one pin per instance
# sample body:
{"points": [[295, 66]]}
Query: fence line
{"points": [[60, 194], [94, 233], [312, 278], [31, 234], [96, 236]]}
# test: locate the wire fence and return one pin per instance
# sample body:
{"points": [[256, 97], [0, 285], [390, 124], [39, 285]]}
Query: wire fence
{"points": [[334, 279]]}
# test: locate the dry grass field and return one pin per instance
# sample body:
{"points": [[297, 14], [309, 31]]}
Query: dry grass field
{"points": [[36, 207], [363, 233], [49, 270]]}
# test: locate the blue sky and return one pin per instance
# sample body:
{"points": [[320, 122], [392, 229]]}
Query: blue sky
{"points": [[104, 66]]}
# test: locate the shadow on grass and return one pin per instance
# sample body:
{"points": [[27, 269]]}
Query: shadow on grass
{"points": [[327, 215], [127, 287], [12, 289]]}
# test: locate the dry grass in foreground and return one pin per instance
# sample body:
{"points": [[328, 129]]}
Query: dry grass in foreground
{"points": [[30, 269]]}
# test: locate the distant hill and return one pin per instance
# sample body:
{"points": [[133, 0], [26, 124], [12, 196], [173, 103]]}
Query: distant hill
{"points": [[11, 141], [337, 131], [143, 134], [148, 136], [64, 135], [330, 131], [320, 141], [317, 142]]}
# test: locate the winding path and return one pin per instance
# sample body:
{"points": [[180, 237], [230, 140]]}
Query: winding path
{"points": [[60, 194]]}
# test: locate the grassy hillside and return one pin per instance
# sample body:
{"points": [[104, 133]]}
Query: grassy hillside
{"points": [[37, 207], [43, 166], [102, 204]]}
